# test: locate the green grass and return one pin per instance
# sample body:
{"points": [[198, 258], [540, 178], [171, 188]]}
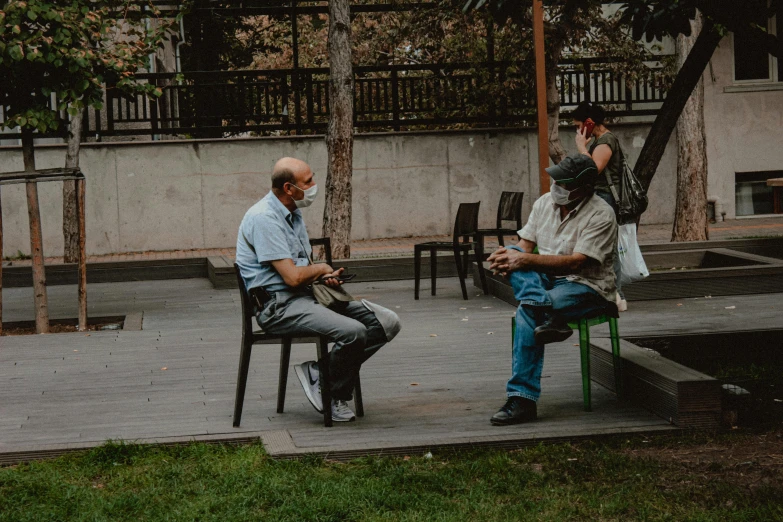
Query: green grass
{"points": [[585, 481], [20, 256]]}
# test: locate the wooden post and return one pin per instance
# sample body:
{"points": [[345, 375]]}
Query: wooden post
{"points": [[1, 266], [36, 238], [543, 124], [80, 198]]}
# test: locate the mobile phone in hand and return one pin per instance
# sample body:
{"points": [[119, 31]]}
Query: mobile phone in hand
{"points": [[342, 278], [588, 127]]}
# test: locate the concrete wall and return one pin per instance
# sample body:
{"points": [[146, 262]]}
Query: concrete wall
{"points": [[743, 124], [193, 194]]}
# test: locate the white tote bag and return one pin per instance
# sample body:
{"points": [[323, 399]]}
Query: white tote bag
{"points": [[633, 267]]}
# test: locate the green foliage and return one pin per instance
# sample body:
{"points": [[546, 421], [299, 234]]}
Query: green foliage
{"points": [[563, 482], [654, 19], [20, 256], [70, 50]]}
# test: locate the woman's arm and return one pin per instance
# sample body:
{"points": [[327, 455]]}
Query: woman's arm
{"points": [[601, 155]]}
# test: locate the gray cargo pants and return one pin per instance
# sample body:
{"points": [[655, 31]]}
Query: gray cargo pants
{"points": [[355, 331]]}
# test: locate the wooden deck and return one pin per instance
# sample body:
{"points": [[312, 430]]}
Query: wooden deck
{"points": [[437, 384]]}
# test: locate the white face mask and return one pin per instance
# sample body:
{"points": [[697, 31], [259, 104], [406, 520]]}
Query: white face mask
{"points": [[559, 194], [309, 196]]}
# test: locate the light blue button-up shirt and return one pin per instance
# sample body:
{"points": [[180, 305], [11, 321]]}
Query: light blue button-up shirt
{"points": [[274, 233]]}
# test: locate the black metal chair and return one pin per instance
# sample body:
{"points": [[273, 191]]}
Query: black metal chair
{"points": [[326, 243], [250, 338], [509, 209], [465, 227]]}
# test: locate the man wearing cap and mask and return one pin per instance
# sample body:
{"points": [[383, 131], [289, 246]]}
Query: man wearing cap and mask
{"points": [[274, 259], [571, 276]]}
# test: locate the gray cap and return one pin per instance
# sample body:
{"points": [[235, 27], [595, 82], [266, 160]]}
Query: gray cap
{"points": [[576, 168], [389, 320]]}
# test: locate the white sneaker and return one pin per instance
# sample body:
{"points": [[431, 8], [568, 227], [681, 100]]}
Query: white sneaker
{"points": [[341, 412], [308, 378]]}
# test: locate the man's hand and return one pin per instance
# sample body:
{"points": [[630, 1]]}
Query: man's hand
{"points": [[329, 277], [504, 260]]}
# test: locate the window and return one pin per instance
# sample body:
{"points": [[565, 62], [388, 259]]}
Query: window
{"points": [[752, 195], [752, 61]]}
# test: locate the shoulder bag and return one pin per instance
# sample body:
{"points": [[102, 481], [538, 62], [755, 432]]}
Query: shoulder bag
{"points": [[632, 198]]}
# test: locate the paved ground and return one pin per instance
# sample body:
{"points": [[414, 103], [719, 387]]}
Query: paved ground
{"points": [[403, 247], [437, 383]]}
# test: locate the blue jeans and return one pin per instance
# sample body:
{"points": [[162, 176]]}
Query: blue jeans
{"points": [[540, 297]]}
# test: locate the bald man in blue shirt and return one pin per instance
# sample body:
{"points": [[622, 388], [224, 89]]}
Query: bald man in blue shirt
{"points": [[274, 254]]}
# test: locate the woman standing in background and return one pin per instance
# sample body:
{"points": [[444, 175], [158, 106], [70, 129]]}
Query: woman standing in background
{"points": [[605, 151]]}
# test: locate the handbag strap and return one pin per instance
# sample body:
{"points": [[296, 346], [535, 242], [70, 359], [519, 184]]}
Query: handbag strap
{"points": [[612, 185]]}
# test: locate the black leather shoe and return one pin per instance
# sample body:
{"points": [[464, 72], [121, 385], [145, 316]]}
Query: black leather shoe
{"points": [[515, 411], [552, 332]]}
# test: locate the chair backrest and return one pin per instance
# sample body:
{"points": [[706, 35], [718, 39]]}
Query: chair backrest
{"points": [[247, 307], [510, 208], [466, 223], [326, 243]]}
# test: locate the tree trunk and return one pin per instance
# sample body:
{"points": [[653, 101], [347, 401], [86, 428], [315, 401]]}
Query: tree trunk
{"points": [[1, 266], [556, 150], [686, 80], [339, 135], [36, 238], [70, 221], [690, 217]]}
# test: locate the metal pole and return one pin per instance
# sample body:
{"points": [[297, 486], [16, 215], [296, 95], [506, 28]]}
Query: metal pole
{"points": [[543, 124]]}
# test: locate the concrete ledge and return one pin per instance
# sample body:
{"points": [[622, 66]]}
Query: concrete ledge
{"points": [[726, 272], [681, 395], [109, 272], [221, 273], [221, 269]]}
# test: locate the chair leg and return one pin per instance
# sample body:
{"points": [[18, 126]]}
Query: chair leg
{"points": [[461, 274], [416, 271], [433, 269], [618, 362], [285, 357], [584, 349], [480, 266], [480, 242], [244, 366], [357, 397], [323, 370]]}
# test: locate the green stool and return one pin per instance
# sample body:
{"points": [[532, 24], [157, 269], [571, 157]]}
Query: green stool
{"points": [[583, 325]]}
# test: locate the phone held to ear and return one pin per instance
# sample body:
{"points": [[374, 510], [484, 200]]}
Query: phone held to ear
{"points": [[588, 127]]}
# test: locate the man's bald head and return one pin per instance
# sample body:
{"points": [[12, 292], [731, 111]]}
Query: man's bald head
{"points": [[289, 170]]}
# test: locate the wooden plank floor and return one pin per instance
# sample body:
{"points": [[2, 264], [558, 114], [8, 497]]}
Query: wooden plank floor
{"points": [[436, 384]]}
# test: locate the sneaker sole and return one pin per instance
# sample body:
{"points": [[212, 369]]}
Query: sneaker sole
{"points": [[495, 422], [304, 381], [343, 420]]}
